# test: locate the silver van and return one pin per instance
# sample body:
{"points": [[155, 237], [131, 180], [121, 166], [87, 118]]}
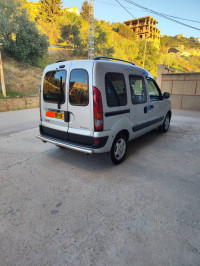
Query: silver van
{"points": [[99, 105]]}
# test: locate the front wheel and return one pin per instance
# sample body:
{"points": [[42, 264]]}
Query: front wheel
{"points": [[119, 147], [166, 123]]}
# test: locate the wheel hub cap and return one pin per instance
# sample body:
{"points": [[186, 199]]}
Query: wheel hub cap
{"points": [[166, 122], [120, 149]]}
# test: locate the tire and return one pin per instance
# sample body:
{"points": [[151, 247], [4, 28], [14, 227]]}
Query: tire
{"points": [[118, 150], [165, 126]]}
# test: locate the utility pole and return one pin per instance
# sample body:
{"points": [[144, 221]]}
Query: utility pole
{"points": [[2, 78], [91, 35], [145, 47], [169, 57]]}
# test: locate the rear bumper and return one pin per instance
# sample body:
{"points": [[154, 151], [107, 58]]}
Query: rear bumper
{"points": [[65, 144], [82, 143]]}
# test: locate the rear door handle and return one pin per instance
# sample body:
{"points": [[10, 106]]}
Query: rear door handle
{"points": [[66, 116], [145, 109]]}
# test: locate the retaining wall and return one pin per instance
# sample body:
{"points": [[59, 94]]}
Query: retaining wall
{"points": [[183, 87], [18, 103]]}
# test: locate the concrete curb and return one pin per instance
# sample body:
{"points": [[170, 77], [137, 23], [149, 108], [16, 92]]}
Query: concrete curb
{"points": [[18, 103]]}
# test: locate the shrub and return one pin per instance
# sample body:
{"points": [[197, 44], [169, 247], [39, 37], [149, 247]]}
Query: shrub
{"points": [[18, 36], [29, 45]]}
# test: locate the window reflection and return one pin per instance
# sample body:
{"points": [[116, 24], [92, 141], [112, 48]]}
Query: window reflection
{"points": [[138, 91], [52, 85], [78, 87]]}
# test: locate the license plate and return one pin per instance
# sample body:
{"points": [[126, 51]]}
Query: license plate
{"points": [[55, 115]]}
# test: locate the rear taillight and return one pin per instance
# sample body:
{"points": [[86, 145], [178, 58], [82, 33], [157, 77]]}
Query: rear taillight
{"points": [[98, 110], [40, 104]]}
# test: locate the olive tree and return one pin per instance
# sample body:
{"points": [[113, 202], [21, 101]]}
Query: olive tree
{"points": [[19, 37]]}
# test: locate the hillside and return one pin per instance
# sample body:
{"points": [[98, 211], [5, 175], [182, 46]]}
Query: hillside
{"points": [[24, 80], [186, 43], [117, 40], [69, 29], [20, 80], [181, 54]]}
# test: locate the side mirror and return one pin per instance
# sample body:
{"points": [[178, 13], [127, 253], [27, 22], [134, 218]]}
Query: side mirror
{"points": [[166, 95]]}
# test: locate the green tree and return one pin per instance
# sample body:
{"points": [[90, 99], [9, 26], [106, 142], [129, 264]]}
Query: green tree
{"points": [[102, 46], [8, 26], [124, 31], [70, 25], [50, 10], [152, 56], [85, 11], [70, 33], [19, 36], [126, 49], [29, 45]]}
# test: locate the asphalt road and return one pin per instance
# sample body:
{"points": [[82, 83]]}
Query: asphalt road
{"points": [[18, 121], [61, 207]]}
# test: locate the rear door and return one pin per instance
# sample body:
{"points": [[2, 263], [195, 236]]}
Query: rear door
{"points": [[80, 102], [55, 98]]}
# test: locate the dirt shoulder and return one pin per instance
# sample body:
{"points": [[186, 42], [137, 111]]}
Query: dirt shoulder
{"points": [[21, 79]]}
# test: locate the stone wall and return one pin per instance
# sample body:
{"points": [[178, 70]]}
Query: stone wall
{"points": [[18, 103], [183, 87]]}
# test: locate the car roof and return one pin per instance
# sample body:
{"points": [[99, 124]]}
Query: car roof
{"points": [[102, 63], [125, 66]]}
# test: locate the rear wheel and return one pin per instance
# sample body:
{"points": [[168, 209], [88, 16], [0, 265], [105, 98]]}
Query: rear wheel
{"points": [[119, 147], [166, 123]]}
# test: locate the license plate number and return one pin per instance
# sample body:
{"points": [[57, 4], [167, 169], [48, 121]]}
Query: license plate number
{"points": [[56, 115]]}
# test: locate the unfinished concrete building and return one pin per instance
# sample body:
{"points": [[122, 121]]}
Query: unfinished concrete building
{"points": [[145, 28]]}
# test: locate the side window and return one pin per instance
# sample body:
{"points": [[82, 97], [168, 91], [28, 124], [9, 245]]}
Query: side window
{"points": [[115, 85], [138, 90], [154, 91], [78, 87], [54, 85]]}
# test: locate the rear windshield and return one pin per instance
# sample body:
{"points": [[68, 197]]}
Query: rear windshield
{"points": [[54, 86], [115, 89], [78, 87]]}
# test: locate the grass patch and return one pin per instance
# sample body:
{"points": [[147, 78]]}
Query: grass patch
{"points": [[56, 55], [52, 58], [13, 94]]}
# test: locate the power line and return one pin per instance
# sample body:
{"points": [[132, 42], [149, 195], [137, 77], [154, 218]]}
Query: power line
{"points": [[195, 21], [125, 8], [160, 14], [110, 4], [106, 3]]}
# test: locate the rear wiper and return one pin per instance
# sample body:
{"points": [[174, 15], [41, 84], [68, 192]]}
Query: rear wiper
{"points": [[60, 98]]}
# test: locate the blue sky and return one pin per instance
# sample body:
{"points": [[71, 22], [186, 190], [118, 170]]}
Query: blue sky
{"points": [[110, 10]]}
